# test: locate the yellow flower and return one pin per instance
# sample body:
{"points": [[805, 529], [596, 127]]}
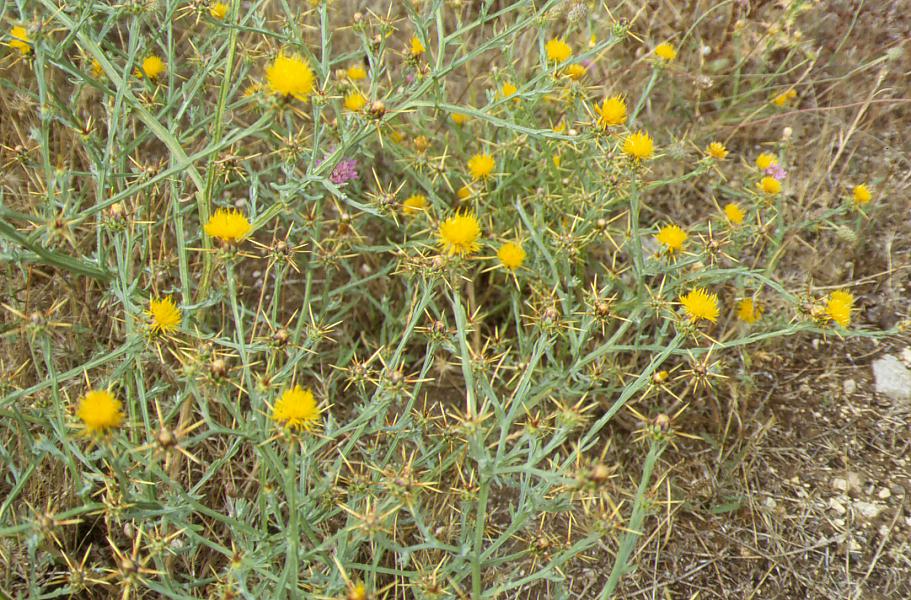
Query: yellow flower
{"points": [[717, 151], [557, 160], [228, 225], [734, 213], [838, 307], [507, 90], [464, 193], [481, 166], [784, 97], [769, 185], [164, 314], [748, 311], [19, 40], [414, 204], [576, 71], [862, 194], [97, 70], [558, 50], [417, 48], [511, 255], [639, 145], [296, 409], [152, 68], [699, 305], [459, 118], [766, 160], [100, 412], [459, 234], [356, 73], [355, 101], [665, 52], [672, 238], [290, 76], [611, 112], [219, 10]]}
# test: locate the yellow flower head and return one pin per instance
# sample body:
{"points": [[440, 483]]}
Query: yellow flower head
{"points": [[19, 40], [356, 73], [611, 112], [97, 69], [784, 97], [576, 71], [228, 225], [459, 118], [100, 412], [296, 409], [672, 238], [219, 10], [290, 76], [734, 213], [700, 305], [459, 234], [838, 307], [766, 160], [665, 52], [414, 204], [769, 185], [152, 68], [355, 101], [862, 194], [417, 48], [481, 166], [511, 255], [717, 151], [507, 90], [558, 50], [164, 314], [464, 193], [639, 145], [748, 311]]}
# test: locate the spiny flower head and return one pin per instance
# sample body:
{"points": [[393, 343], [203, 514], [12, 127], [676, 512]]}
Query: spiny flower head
{"points": [[700, 305], [228, 225], [19, 40], [417, 48], [507, 90], [672, 238], [862, 194], [611, 112], [511, 255], [838, 307], [665, 52], [481, 166], [748, 311], [639, 145], [290, 76], [219, 10], [296, 409], [766, 160], [152, 68], [558, 50], [355, 101], [459, 234], [356, 73], [100, 412], [414, 204], [717, 151], [576, 71], [164, 314], [734, 213], [459, 118], [784, 97], [769, 185]]}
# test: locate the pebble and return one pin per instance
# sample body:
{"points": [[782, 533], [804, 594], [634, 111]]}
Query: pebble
{"points": [[893, 379], [837, 505], [884, 493], [840, 484], [868, 509], [849, 386]]}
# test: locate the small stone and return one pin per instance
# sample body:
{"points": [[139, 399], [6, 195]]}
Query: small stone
{"points": [[855, 481], [840, 523], [868, 509], [837, 505], [840, 484], [906, 357], [893, 379], [770, 502], [849, 386], [884, 493]]}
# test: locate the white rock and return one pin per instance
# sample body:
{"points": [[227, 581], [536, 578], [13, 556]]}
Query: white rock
{"points": [[836, 505], [884, 493], [840, 484], [868, 509], [850, 386], [906, 356], [893, 379]]}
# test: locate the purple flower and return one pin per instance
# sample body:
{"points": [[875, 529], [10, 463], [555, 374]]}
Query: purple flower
{"points": [[777, 172], [344, 171]]}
